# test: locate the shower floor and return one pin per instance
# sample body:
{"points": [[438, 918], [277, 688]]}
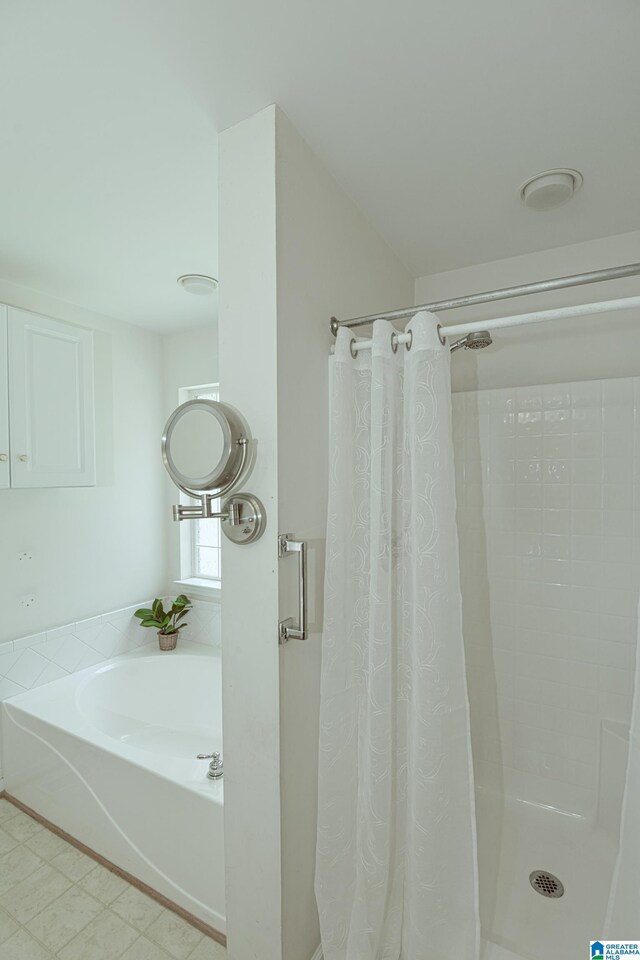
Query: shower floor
{"points": [[515, 838]]}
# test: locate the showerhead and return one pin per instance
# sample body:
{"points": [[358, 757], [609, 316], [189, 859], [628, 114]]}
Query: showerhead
{"points": [[479, 340], [473, 341]]}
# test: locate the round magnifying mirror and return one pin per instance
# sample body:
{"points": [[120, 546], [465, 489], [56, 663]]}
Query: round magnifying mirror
{"points": [[202, 448]]}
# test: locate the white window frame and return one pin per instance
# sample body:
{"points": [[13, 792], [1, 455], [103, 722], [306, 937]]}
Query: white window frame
{"points": [[190, 575]]}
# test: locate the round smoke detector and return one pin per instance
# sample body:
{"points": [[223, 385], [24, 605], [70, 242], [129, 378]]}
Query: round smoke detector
{"points": [[197, 283], [550, 188]]}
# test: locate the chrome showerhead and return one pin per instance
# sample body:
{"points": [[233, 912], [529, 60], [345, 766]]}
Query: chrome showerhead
{"points": [[479, 340], [473, 341]]}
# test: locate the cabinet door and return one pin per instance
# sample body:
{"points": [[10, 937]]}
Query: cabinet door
{"points": [[51, 417], [4, 401]]}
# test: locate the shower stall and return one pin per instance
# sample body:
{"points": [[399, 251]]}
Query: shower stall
{"points": [[547, 481], [547, 486]]}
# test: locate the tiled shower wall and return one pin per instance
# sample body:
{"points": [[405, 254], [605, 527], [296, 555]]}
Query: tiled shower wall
{"points": [[548, 487]]}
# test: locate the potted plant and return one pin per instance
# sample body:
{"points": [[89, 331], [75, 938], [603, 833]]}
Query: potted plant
{"points": [[166, 622]]}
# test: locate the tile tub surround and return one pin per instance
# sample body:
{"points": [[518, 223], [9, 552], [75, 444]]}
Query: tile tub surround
{"points": [[43, 657], [31, 661], [548, 487], [56, 902]]}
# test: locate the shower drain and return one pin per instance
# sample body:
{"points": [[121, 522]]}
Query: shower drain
{"points": [[546, 884]]}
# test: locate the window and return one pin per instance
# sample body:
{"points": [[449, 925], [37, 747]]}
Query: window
{"points": [[202, 551]]}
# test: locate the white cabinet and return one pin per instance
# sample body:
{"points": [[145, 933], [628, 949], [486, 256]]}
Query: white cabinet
{"points": [[51, 408], [4, 401]]}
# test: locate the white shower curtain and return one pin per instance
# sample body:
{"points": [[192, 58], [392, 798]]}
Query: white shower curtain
{"points": [[396, 874], [623, 914]]}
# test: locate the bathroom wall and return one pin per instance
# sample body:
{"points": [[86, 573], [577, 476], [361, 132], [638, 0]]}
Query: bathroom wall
{"points": [[250, 694], [190, 358], [547, 486], [339, 266], [584, 348], [293, 250], [93, 548], [548, 489]]}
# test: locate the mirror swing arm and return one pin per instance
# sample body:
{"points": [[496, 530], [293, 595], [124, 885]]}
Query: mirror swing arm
{"points": [[242, 516]]}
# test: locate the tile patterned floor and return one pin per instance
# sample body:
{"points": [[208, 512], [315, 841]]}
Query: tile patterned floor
{"points": [[58, 904]]}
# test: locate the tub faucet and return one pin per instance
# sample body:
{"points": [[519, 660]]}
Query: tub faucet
{"points": [[215, 767]]}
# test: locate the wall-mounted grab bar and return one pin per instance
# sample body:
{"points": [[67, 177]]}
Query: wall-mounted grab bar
{"points": [[288, 630]]}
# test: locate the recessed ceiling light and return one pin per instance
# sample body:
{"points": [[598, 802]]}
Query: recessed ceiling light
{"points": [[198, 283], [550, 188]]}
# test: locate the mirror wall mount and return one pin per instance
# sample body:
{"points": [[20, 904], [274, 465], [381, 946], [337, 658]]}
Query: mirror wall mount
{"points": [[242, 515], [187, 435]]}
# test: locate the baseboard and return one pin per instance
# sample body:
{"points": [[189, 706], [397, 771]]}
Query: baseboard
{"points": [[200, 925]]}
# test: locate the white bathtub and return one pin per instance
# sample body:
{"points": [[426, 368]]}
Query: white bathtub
{"points": [[108, 755]]}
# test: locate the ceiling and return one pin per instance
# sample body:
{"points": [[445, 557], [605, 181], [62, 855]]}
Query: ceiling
{"points": [[107, 165], [430, 113]]}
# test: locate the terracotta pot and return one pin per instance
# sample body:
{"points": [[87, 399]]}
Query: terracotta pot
{"points": [[167, 640]]}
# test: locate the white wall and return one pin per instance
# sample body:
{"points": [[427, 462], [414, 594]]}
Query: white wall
{"points": [[248, 380], [580, 349], [550, 563], [293, 250], [190, 358], [329, 261], [548, 520], [94, 548]]}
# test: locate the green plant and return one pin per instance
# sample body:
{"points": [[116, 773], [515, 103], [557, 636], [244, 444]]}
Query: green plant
{"points": [[166, 622]]}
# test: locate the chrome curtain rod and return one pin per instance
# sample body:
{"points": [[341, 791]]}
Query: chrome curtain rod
{"points": [[540, 286]]}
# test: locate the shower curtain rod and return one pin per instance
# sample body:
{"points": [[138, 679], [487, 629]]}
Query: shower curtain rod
{"points": [[518, 320], [540, 286]]}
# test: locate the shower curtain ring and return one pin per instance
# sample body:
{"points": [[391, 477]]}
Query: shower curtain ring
{"points": [[394, 341], [409, 342], [443, 340], [352, 348]]}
